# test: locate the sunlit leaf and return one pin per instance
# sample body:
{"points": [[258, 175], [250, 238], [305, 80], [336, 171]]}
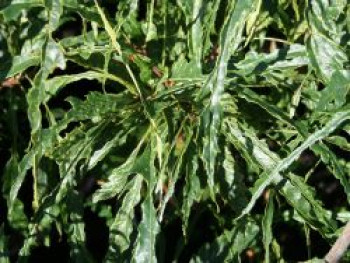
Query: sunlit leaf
{"points": [[148, 230], [230, 38]]}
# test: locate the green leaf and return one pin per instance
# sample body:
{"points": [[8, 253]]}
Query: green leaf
{"points": [[339, 141], [297, 193], [326, 154], [149, 227], [87, 12], [115, 185], [230, 38], [31, 55], [15, 216], [332, 163], [44, 217], [233, 184], [54, 85], [19, 64], [183, 70], [109, 29], [12, 11], [192, 188], [47, 139], [211, 13], [228, 246], [252, 97], [118, 177], [101, 153], [174, 173], [4, 251], [334, 95], [295, 190], [128, 10], [147, 232], [76, 229], [55, 9], [53, 57], [122, 226], [255, 63], [77, 150], [270, 176], [97, 106], [194, 13], [197, 31], [326, 54]]}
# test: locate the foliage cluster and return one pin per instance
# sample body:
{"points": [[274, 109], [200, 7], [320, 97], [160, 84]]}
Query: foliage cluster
{"points": [[174, 130]]}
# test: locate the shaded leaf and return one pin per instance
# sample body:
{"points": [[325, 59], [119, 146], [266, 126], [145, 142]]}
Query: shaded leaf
{"points": [[4, 251], [271, 176], [297, 194], [122, 226], [229, 245], [12, 11]]}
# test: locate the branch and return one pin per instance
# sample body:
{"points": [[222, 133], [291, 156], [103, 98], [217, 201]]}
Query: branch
{"points": [[340, 246]]}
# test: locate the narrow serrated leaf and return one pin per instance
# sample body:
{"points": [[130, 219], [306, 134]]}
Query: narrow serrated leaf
{"points": [[122, 226], [272, 175], [297, 193], [147, 234], [267, 226], [4, 250], [192, 187], [230, 38], [228, 246]]}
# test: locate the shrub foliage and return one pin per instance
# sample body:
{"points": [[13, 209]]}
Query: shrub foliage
{"points": [[190, 128]]}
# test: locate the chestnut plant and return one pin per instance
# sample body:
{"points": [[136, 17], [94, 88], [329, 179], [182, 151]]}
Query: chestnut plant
{"points": [[174, 130]]}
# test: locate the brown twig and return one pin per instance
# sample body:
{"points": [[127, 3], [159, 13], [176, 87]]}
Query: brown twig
{"points": [[340, 246], [10, 82]]}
